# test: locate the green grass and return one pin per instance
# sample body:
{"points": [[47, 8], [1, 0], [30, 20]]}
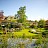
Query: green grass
{"points": [[40, 30], [1, 31], [24, 32]]}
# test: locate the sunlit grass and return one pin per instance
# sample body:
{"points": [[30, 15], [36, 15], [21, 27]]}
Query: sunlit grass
{"points": [[21, 33], [24, 32]]}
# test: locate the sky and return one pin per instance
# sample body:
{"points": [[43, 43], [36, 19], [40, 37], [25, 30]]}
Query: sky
{"points": [[35, 9]]}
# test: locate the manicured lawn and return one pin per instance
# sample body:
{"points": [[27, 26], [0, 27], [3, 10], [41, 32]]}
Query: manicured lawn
{"points": [[24, 32]]}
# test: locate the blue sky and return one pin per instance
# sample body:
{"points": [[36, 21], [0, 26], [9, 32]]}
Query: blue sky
{"points": [[35, 9]]}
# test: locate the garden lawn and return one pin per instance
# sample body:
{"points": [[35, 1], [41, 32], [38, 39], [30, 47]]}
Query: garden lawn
{"points": [[21, 33], [24, 32]]}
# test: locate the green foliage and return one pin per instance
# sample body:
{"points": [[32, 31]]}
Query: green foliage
{"points": [[0, 27], [21, 14], [33, 26], [36, 21], [41, 23]]}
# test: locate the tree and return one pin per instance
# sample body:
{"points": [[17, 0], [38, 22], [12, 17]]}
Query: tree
{"points": [[46, 24], [21, 15], [32, 26], [36, 21], [16, 16], [41, 23]]}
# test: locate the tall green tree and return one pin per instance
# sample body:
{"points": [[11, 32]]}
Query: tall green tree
{"points": [[21, 14], [41, 23]]}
